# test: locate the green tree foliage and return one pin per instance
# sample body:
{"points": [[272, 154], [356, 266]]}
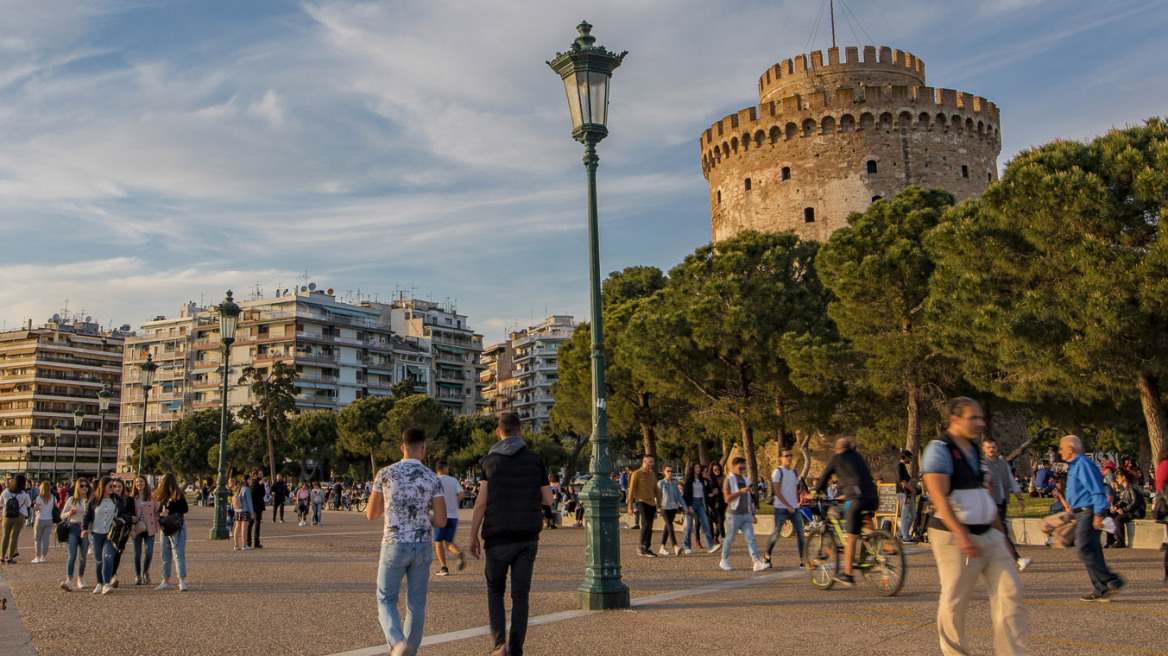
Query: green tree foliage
{"points": [[878, 269], [1053, 287], [714, 335], [415, 411], [402, 389], [458, 433], [274, 392], [246, 446], [312, 436], [359, 432], [153, 459]]}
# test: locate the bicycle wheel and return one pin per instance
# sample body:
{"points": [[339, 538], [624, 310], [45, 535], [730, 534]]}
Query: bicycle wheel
{"points": [[787, 529], [821, 557], [884, 564], [361, 505]]}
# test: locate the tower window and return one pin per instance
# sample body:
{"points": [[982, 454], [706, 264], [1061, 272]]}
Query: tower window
{"points": [[747, 184], [786, 174], [989, 176], [965, 171], [876, 198], [871, 166], [719, 196], [808, 215]]}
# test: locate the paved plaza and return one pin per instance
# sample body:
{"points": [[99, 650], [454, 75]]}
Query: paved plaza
{"points": [[311, 591]]}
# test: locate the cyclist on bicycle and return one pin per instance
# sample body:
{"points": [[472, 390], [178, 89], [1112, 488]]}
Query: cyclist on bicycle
{"points": [[859, 492]]}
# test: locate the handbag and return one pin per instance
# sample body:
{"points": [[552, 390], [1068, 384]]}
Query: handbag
{"points": [[63, 531], [1160, 510], [171, 524]]}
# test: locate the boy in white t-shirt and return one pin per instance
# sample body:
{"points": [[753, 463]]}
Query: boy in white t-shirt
{"points": [[444, 536]]}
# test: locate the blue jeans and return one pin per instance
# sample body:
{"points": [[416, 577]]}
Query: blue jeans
{"points": [[703, 519], [78, 552], [104, 552], [412, 561], [908, 514], [143, 544], [1091, 552], [781, 516], [744, 523], [174, 547], [316, 511]]}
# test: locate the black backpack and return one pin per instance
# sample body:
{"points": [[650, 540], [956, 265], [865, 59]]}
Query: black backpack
{"points": [[12, 506]]}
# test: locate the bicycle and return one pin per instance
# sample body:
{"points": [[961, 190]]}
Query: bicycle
{"points": [[879, 554]]}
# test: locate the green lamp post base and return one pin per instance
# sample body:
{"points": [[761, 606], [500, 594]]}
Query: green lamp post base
{"points": [[603, 600]]}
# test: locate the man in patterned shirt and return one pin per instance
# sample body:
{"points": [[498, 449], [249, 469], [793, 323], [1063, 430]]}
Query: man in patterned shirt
{"points": [[405, 492]]}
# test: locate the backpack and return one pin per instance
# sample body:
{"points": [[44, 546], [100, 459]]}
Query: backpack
{"points": [[12, 506]]}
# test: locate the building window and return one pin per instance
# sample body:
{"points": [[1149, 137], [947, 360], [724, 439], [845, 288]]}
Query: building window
{"points": [[989, 176], [876, 198], [871, 166], [748, 184], [719, 196], [786, 173], [965, 171], [808, 215]]}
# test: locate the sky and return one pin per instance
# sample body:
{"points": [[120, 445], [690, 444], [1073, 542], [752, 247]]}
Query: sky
{"points": [[159, 152]]}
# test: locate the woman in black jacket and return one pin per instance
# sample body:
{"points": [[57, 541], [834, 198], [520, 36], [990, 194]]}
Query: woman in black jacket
{"points": [[174, 546], [715, 502], [1129, 505], [108, 519]]}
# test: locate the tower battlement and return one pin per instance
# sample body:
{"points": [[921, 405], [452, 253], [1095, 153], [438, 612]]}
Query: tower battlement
{"points": [[881, 65]]}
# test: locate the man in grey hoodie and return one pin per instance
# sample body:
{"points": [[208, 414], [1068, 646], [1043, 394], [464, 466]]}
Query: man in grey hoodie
{"points": [[509, 510]]}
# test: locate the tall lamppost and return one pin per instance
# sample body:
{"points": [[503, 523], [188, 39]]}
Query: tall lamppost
{"points": [[41, 458], [78, 417], [228, 320], [58, 428], [103, 404], [148, 368], [586, 70]]}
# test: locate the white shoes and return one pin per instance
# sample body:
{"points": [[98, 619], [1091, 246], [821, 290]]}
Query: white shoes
{"points": [[725, 565], [1023, 563], [689, 551], [97, 589], [677, 550], [663, 551], [66, 586], [163, 586], [182, 586], [107, 588], [715, 548], [760, 565], [80, 585]]}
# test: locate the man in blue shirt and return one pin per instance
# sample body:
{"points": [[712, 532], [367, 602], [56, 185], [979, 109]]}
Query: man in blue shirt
{"points": [[1044, 480], [1088, 501]]}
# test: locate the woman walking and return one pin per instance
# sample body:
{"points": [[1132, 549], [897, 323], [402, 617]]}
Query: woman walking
{"points": [[74, 511], [317, 498], [694, 494], [16, 504], [241, 503], [171, 502], [715, 504], [107, 513], [302, 503], [672, 502], [145, 530], [43, 509]]}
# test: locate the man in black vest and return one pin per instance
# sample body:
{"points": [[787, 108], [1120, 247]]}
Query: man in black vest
{"points": [[509, 509], [967, 537], [258, 492], [279, 496]]}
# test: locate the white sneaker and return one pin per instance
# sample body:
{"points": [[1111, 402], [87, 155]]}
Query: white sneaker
{"points": [[715, 548], [725, 565], [97, 589], [677, 550], [689, 551], [66, 586], [247, 548], [107, 588], [80, 584], [760, 565], [1023, 563], [163, 586], [182, 586], [663, 551]]}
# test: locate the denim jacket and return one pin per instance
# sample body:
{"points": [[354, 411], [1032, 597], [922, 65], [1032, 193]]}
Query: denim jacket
{"points": [[671, 497]]}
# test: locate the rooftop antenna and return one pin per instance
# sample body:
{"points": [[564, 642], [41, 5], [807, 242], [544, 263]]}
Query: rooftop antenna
{"points": [[831, 5]]}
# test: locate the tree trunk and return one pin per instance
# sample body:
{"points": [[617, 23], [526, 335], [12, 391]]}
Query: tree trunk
{"points": [[912, 442], [1156, 421], [271, 449], [703, 452], [645, 418], [574, 457], [804, 450], [748, 448], [785, 440], [372, 462]]}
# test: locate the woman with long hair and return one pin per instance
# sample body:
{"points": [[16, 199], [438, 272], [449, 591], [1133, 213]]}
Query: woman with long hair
{"points": [[16, 505], [145, 529], [43, 512], [241, 504], [106, 512], [694, 493], [715, 504], [171, 501], [74, 511]]}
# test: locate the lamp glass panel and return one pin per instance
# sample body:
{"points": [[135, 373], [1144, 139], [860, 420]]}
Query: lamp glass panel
{"points": [[57, 430], [103, 403], [584, 90], [598, 97], [573, 100], [227, 324], [77, 418], [148, 376]]}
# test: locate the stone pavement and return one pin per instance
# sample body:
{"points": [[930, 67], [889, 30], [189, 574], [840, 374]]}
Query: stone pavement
{"points": [[311, 591]]}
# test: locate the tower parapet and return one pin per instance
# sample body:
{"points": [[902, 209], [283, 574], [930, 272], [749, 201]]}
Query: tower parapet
{"points": [[829, 138]]}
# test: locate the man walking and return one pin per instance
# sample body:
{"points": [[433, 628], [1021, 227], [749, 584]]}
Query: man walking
{"points": [[405, 493], [1088, 501], [906, 495], [258, 492], [785, 487], [509, 511], [967, 537], [444, 536], [279, 496], [1002, 485], [644, 497], [739, 515]]}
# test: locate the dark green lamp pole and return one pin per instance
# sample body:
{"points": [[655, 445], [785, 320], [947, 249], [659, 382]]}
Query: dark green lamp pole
{"points": [[78, 417], [228, 321], [586, 69], [148, 368], [103, 404], [58, 428], [41, 458]]}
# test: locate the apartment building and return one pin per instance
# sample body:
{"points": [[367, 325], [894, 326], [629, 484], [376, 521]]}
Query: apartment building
{"points": [[456, 350], [46, 375], [498, 385], [519, 372]]}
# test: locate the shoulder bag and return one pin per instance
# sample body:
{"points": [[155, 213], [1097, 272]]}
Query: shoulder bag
{"points": [[171, 523]]}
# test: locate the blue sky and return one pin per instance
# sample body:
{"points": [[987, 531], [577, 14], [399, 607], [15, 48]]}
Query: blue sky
{"points": [[157, 152]]}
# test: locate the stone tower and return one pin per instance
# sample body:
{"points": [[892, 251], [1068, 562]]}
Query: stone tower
{"points": [[828, 139]]}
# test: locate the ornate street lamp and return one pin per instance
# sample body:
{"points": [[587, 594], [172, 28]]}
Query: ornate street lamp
{"points": [[228, 322], [148, 368], [57, 429], [586, 70], [78, 417], [103, 404]]}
